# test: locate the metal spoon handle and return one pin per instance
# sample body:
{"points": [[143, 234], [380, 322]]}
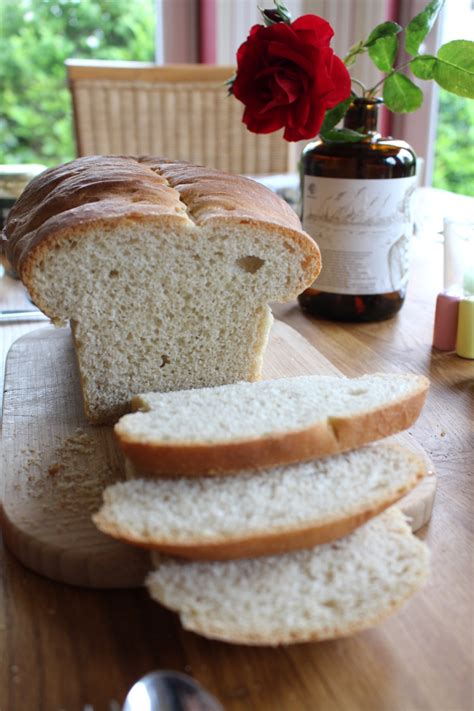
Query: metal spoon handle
{"points": [[13, 315], [169, 691]]}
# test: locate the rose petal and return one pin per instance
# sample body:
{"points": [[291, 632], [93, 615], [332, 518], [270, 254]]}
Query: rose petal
{"points": [[292, 86], [283, 85], [300, 110], [315, 120], [283, 52], [342, 81], [264, 124], [319, 29], [309, 131]]}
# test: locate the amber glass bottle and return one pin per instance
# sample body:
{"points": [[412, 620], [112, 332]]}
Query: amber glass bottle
{"points": [[356, 203]]}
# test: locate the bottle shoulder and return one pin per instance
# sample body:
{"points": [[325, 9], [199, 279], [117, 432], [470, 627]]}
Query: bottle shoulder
{"points": [[383, 158]]}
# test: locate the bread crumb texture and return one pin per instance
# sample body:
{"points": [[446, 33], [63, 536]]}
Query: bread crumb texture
{"points": [[326, 592], [251, 410], [277, 501]]}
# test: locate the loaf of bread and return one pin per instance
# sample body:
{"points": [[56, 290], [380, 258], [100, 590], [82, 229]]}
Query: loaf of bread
{"points": [[324, 592], [265, 424], [260, 513], [164, 271]]}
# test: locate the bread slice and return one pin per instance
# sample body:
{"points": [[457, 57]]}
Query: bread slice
{"points": [[259, 513], [326, 592], [164, 271], [257, 425]]}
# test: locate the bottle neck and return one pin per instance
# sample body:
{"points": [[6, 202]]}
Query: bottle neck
{"points": [[362, 115]]}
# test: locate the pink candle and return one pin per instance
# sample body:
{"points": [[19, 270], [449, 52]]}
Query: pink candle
{"points": [[446, 321]]}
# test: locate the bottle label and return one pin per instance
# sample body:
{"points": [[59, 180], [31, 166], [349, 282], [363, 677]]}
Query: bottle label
{"points": [[363, 229]]}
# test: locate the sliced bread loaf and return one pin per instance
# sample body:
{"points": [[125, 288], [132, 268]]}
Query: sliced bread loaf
{"points": [[260, 513], [328, 591], [264, 424], [163, 269]]}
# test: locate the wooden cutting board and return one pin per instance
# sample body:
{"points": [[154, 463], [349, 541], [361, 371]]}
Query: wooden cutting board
{"points": [[56, 465]]}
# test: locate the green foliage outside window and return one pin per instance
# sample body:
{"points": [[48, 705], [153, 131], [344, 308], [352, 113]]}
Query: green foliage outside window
{"points": [[454, 151], [36, 37]]}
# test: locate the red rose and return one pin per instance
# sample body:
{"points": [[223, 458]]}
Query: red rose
{"points": [[287, 75]]}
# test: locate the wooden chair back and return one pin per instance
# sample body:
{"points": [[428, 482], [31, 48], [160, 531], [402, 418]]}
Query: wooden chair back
{"points": [[176, 111]]}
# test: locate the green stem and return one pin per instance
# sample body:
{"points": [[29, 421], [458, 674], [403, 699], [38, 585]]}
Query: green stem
{"points": [[359, 83], [351, 55], [371, 92]]}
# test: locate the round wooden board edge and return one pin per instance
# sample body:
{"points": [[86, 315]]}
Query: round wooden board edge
{"points": [[129, 570]]}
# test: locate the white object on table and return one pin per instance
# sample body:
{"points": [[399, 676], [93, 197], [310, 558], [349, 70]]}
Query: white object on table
{"points": [[459, 254]]}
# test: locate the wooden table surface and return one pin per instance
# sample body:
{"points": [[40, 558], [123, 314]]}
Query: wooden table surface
{"points": [[62, 648]]}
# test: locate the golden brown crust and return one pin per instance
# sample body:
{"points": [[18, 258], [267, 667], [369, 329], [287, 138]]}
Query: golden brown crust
{"points": [[107, 188], [319, 440], [351, 432], [210, 193], [262, 544], [196, 460]]}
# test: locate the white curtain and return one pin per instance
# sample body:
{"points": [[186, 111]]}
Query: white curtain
{"points": [[351, 20]]}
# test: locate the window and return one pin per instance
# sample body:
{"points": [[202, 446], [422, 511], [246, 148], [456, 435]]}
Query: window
{"points": [[454, 146], [37, 37]]}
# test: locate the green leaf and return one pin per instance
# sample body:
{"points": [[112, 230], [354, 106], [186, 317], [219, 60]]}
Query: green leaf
{"points": [[383, 30], [283, 10], [421, 24], [423, 66], [333, 116], [454, 69], [383, 52], [229, 83], [342, 135], [401, 94]]}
